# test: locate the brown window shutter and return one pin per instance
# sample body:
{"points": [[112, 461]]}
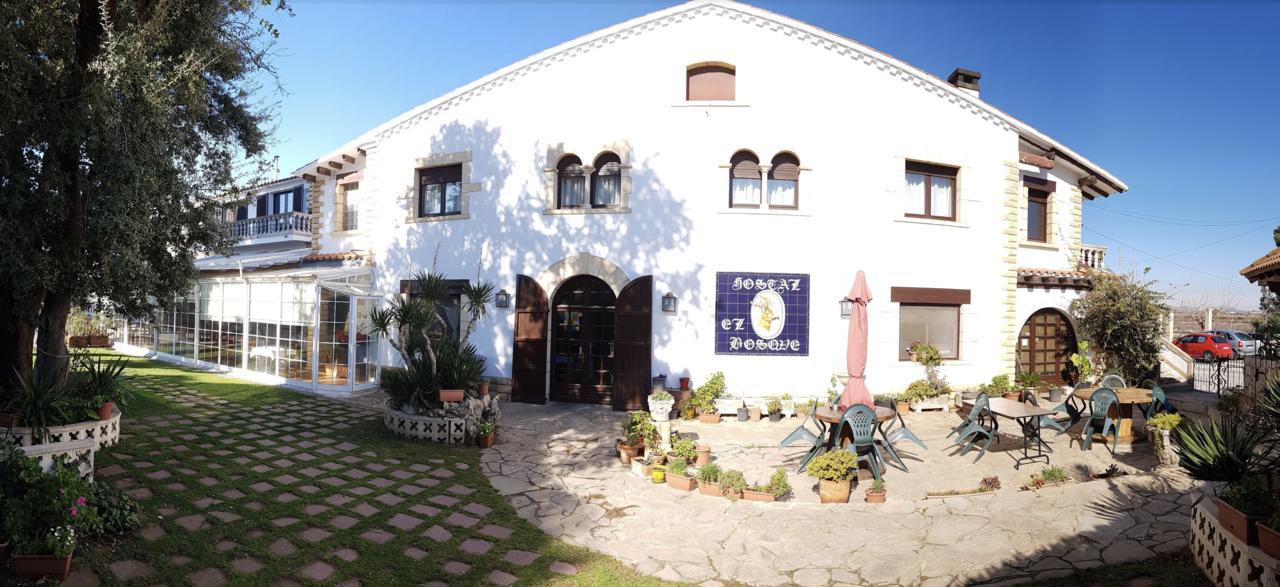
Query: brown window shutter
{"points": [[931, 169], [928, 295], [444, 174], [710, 82], [745, 165], [608, 164], [785, 166], [1043, 185], [569, 165]]}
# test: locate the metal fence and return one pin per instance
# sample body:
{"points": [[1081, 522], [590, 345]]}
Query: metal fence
{"points": [[1231, 375]]}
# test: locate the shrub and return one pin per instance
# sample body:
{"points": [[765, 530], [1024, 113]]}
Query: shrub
{"points": [[678, 466], [732, 482], [661, 396], [117, 512], [684, 448], [637, 427], [1121, 316], [918, 390], [50, 509], [1054, 474], [991, 483], [705, 396], [999, 386], [687, 410], [834, 465], [1028, 379], [877, 486], [709, 473], [774, 405], [1165, 421], [778, 485]]}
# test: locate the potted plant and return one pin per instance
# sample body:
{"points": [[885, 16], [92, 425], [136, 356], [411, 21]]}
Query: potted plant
{"points": [[678, 475], [101, 384], [43, 519], [702, 454], [660, 403], [1028, 381], [805, 406], [1268, 536], [704, 404], [659, 474], [660, 382], [684, 384], [637, 427], [732, 484], [916, 392], [775, 409], [709, 479], [1164, 423], [1047, 477], [744, 413], [835, 471], [903, 403], [1247, 502], [876, 493], [686, 410], [451, 395], [774, 490], [1083, 366], [485, 434]]}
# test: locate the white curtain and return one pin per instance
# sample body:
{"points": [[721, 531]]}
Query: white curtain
{"points": [[430, 199], [915, 194], [782, 192], [604, 190], [746, 191], [453, 198], [940, 190], [573, 191]]}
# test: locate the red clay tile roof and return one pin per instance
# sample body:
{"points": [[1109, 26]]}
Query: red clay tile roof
{"points": [[343, 256], [1066, 278], [1264, 264]]}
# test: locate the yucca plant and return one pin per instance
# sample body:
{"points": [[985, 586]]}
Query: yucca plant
{"points": [[42, 404], [1226, 451]]}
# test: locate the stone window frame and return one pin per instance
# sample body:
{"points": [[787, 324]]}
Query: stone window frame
{"points": [[766, 169], [410, 199], [1027, 183], [550, 178]]}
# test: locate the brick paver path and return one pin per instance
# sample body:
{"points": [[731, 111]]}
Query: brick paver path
{"points": [[558, 466], [302, 491]]}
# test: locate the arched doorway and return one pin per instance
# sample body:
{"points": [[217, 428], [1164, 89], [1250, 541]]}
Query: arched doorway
{"points": [[1045, 345], [582, 341]]}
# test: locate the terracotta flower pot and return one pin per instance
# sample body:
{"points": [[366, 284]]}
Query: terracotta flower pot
{"points": [[451, 395], [487, 440], [681, 482], [484, 388], [1268, 540], [38, 566], [104, 411], [704, 455], [1013, 396], [709, 489], [684, 384], [709, 418], [750, 495], [834, 491], [904, 407], [874, 496], [627, 452], [1237, 523], [753, 414]]}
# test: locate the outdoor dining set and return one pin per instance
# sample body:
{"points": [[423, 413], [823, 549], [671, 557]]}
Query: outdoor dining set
{"points": [[873, 433]]}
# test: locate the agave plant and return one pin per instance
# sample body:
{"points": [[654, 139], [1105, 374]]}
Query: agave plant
{"points": [[1227, 451], [42, 403]]}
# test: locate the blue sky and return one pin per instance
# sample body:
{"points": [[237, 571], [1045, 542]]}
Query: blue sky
{"points": [[1178, 99]]}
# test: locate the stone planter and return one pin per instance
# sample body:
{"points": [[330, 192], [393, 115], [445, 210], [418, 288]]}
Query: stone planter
{"points": [[1164, 448], [834, 491], [441, 429], [903, 407], [1236, 523], [660, 383], [750, 495], [101, 432], [41, 566], [641, 468], [1222, 557], [660, 410], [788, 407], [681, 482], [753, 414], [703, 455], [874, 496], [933, 403], [710, 489], [728, 406], [709, 418], [744, 414]]}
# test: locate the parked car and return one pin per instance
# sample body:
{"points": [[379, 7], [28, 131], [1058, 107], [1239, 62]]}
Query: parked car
{"points": [[1243, 343], [1205, 346]]}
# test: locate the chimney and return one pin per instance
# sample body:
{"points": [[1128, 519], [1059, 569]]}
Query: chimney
{"points": [[965, 79]]}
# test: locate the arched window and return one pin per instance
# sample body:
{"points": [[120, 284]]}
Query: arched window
{"points": [[606, 181], [710, 81], [571, 183], [744, 180], [784, 181]]}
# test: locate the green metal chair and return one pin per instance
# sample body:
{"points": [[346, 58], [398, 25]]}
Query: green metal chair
{"points": [[896, 430], [976, 425], [861, 420], [803, 434], [1159, 401], [1099, 421], [1113, 381]]}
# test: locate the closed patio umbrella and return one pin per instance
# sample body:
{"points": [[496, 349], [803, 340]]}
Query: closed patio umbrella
{"points": [[855, 390]]}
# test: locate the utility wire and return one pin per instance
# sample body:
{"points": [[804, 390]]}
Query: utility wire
{"points": [[1186, 221], [1206, 245], [1158, 257]]}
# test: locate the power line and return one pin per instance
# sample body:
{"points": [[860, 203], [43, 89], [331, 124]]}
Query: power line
{"points": [[1206, 245], [1158, 257], [1187, 221]]}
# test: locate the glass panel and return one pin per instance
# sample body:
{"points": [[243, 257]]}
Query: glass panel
{"points": [[940, 193], [915, 194], [604, 190], [745, 191], [935, 325], [366, 343], [573, 191], [429, 202], [453, 198], [295, 351], [263, 349], [782, 192], [334, 339], [1037, 210], [184, 329]]}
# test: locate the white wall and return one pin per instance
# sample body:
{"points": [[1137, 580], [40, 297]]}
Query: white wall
{"points": [[852, 125]]}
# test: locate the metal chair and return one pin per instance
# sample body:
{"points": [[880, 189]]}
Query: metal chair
{"points": [[896, 429], [1159, 401], [802, 433], [861, 420], [1099, 419], [1113, 381], [975, 425]]}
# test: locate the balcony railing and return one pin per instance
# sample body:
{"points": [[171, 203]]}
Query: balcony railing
{"points": [[286, 224], [1093, 257]]}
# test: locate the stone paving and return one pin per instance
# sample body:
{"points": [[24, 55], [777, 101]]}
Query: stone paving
{"points": [[228, 491], [557, 465]]}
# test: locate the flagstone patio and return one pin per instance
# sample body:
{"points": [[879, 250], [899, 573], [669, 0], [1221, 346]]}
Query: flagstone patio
{"points": [[557, 465]]}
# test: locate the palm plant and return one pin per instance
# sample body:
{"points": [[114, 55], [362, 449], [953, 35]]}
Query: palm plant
{"points": [[1234, 450], [41, 403]]}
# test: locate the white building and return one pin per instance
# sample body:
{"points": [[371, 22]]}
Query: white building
{"points": [[697, 150]]}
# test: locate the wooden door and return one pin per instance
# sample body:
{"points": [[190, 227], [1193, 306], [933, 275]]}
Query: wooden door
{"points": [[1045, 345], [529, 357], [633, 341], [582, 341]]}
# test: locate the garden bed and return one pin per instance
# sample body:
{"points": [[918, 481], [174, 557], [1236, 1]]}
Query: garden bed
{"points": [[441, 429]]}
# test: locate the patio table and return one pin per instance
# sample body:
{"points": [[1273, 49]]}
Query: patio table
{"points": [[1122, 411], [1028, 417], [832, 416]]}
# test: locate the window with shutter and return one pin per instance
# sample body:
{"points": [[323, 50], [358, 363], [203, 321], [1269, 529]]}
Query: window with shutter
{"points": [[744, 180], [571, 183], [784, 181], [606, 181], [710, 82], [440, 190]]}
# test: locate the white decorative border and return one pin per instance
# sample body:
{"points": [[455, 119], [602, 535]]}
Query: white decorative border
{"points": [[1224, 559], [432, 428], [101, 432]]}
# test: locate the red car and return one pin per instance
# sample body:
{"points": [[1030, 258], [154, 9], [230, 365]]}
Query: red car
{"points": [[1206, 346]]}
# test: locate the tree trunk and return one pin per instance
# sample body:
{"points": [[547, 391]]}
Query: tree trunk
{"points": [[18, 314], [52, 359]]}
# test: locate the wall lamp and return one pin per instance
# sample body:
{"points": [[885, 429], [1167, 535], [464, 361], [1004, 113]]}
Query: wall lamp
{"points": [[669, 303], [502, 299], [846, 308]]}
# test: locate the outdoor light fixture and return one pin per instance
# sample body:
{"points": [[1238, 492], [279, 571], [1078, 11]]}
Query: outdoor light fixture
{"points": [[846, 308], [502, 299], [669, 303]]}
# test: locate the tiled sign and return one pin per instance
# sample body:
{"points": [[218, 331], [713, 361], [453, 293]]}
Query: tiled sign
{"points": [[762, 314]]}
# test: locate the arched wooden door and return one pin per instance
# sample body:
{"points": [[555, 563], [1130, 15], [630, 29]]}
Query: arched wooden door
{"points": [[633, 341], [1045, 345], [529, 357], [582, 341]]}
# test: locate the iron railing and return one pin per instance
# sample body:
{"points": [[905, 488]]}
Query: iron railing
{"points": [[287, 223]]}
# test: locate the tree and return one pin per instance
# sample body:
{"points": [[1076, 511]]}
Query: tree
{"points": [[124, 120], [1121, 317]]}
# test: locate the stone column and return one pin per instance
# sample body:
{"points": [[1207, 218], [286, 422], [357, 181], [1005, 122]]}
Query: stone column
{"points": [[664, 432]]}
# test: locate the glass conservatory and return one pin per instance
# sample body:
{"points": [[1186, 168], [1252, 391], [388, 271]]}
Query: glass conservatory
{"points": [[304, 328]]}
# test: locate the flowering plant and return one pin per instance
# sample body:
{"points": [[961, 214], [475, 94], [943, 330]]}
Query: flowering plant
{"points": [[61, 541], [49, 508]]}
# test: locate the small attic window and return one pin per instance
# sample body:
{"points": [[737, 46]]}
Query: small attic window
{"points": [[710, 81]]}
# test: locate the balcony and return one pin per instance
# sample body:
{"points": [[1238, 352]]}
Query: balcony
{"points": [[1093, 257], [285, 227]]}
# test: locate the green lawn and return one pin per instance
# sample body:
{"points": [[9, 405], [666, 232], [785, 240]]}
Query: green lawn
{"points": [[195, 459]]}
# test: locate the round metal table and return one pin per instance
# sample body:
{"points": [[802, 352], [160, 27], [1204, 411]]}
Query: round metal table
{"points": [[1122, 411]]}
